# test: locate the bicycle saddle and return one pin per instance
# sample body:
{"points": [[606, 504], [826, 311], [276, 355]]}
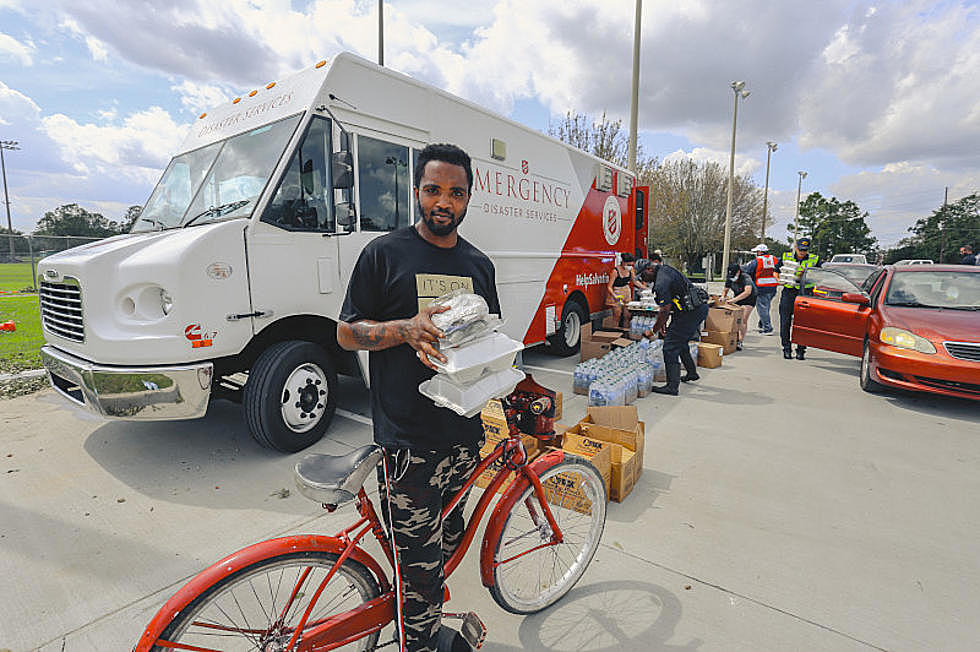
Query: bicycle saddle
{"points": [[335, 479]]}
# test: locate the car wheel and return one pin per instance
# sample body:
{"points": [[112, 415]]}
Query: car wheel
{"points": [[568, 339], [868, 384], [290, 396]]}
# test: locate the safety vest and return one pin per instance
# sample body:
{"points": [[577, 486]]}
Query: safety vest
{"points": [[765, 271], [809, 261]]}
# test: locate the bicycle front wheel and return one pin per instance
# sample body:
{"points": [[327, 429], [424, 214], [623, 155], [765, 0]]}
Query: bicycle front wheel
{"points": [[530, 575], [241, 612]]}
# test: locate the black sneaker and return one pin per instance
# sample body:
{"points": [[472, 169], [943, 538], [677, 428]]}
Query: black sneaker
{"points": [[787, 355], [738, 346], [800, 354]]}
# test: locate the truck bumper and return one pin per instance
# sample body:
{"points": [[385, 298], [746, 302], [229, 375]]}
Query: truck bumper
{"points": [[131, 393]]}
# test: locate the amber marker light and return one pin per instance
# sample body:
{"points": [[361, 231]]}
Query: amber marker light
{"points": [[270, 85], [321, 64], [236, 100], [252, 94], [201, 116]]}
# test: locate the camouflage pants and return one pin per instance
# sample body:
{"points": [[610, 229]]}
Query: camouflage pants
{"points": [[424, 482]]}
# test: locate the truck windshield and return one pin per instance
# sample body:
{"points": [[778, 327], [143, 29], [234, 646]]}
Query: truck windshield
{"points": [[221, 180]]}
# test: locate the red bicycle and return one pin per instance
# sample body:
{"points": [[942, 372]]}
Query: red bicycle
{"points": [[312, 593]]}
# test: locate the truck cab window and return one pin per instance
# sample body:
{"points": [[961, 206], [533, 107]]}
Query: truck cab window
{"points": [[384, 184], [302, 201]]}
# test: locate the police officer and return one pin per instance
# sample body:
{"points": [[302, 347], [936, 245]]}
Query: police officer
{"points": [[803, 259], [686, 306]]}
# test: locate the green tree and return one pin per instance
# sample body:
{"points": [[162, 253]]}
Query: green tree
{"points": [[72, 219], [129, 219], [939, 236], [835, 227]]}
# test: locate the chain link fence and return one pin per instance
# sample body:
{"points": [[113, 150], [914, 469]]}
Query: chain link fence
{"points": [[19, 255]]}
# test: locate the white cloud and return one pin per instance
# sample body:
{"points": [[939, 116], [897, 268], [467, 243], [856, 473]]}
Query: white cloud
{"points": [[196, 97], [11, 48], [15, 106], [97, 49], [744, 166], [137, 148]]}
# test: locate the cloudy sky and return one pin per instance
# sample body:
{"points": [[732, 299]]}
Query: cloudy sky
{"points": [[878, 101]]}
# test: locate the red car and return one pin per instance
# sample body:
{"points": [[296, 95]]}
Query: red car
{"points": [[914, 327]]}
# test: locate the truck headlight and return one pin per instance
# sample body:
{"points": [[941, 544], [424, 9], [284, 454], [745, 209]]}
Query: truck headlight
{"points": [[904, 339], [166, 302]]}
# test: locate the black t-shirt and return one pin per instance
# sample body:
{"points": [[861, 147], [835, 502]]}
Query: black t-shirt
{"points": [[394, 276], [670, 284], [738, 286]]}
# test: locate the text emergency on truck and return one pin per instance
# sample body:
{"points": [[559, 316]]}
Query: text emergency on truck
{"points": [[231, 282]]}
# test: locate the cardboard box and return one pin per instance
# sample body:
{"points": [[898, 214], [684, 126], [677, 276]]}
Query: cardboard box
{"points": [[709, 355], [723, 317], [598, 452], [610, 324], [606, 336], [624, 461], [495, 430], [621, 342], [594, 349], [564, 493], [558, 404], [724, 339], [618, 425]]}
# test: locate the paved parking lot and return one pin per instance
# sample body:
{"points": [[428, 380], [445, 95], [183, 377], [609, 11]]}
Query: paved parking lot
{"points": [[780, 508]]}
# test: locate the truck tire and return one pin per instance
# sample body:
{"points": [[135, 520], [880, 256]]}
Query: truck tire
{"points": [[568, 338], [290, 396]]}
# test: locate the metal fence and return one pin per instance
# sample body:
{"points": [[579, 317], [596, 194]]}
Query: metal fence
{"points": [[24, 249]]}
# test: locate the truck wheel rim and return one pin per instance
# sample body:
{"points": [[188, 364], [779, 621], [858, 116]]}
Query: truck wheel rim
{"points": [[304, 397], [572, 328]]}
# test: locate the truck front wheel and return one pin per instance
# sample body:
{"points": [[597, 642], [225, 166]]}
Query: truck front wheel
{"points": [[568, 338], [290, 396]]}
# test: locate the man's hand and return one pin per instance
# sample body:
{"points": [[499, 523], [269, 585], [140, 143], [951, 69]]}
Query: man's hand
{"points": [[422, 335]]}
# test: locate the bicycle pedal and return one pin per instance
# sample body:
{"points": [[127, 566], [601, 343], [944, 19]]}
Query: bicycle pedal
{"points": [[472, 628]]}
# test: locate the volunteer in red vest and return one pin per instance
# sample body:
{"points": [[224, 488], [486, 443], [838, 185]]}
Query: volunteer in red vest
{"points": [[764, 271], [800, 259]]}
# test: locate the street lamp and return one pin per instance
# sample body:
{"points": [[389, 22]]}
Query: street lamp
{"points": [[396, 163], [739, 88], [796, 218], [12, 145], [770, 148], [634, 97]]}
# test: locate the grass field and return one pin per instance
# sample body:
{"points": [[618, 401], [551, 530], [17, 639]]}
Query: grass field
{"points": [[21, 349], [14, 277]]}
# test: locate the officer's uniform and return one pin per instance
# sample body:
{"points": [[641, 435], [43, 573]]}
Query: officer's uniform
{"points": [[791, 288], [672, 287]]}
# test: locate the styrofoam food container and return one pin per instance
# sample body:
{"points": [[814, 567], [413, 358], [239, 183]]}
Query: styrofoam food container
{"points": [[468, 400], [465, 364]]}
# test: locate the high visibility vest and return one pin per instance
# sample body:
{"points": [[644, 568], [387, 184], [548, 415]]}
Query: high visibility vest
{"points": [[765, 271], [809, 261]]}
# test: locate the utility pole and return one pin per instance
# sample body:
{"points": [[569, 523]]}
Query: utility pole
{"points": [[770, 148], [381, 32], [739, 88], [12, 146], [796, 218], [634, 98], [942, 228]]}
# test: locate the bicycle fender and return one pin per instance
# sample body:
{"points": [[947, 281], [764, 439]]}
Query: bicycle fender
{"points": [[495, 525], [238, 560]]}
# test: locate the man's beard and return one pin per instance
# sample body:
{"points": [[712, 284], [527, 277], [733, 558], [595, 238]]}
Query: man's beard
{"points": [[441, 229]]}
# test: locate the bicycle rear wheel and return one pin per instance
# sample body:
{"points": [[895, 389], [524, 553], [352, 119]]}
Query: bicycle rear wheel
{"points": [[528, 580], [240, 611]]}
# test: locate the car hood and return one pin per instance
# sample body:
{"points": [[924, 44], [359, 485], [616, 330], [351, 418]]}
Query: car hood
{"points": [[935, 324]]}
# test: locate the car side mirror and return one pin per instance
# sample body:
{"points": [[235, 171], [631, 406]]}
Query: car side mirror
{"points": [[342, 169], [856, 297], [345, 214]]}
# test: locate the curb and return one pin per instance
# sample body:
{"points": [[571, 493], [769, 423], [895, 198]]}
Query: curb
{"points": [[23, 375]]}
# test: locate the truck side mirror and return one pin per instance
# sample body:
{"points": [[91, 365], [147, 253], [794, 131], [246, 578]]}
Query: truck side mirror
{"points": [[345, 214], [342, 169]]}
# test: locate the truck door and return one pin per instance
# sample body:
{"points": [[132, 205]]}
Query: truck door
{"points": [[821, 317], [293, 256], [639, 202]]}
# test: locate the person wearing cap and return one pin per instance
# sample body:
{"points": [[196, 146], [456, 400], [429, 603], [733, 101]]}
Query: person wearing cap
{"points": [[686, 307], [764, 270], [744, 296], [802, 258]]}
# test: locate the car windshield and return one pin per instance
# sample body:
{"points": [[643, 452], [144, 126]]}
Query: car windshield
{"points": [[854, 273], [221, 180], [953, 290]]}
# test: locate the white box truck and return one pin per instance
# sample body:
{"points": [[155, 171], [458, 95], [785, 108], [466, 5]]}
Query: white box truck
{"points": [[231, 282]]}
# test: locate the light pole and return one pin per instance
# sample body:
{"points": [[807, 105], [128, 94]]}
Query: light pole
{"points": [[739, 88], [796, 218], [381, 32], [770, 148], [12, 146], [634, 97]]}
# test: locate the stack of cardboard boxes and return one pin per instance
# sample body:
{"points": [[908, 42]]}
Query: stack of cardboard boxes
{"points": [[720, 333]]}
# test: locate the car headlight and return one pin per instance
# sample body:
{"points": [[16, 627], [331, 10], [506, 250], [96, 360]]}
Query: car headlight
{"points": [[904, 339], [166, 302]]}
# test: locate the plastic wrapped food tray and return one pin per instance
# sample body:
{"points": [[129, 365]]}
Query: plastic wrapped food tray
{"points": [[471, 332], [469, 400], [490, 353]]}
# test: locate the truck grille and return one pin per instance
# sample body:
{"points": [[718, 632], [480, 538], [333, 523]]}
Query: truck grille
{"points": [[963, 350], [61, 309]]}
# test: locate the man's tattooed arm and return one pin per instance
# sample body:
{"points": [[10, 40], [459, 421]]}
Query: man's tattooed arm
{"points": [[372, 335]]}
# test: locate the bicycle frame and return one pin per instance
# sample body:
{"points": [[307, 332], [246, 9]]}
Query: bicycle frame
{"points": [[372, 616]]}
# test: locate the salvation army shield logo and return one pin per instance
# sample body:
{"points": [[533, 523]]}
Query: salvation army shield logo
{"points": [[612, 220]]}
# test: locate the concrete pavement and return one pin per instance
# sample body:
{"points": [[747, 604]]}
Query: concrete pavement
{"points": [[780, 508]]}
